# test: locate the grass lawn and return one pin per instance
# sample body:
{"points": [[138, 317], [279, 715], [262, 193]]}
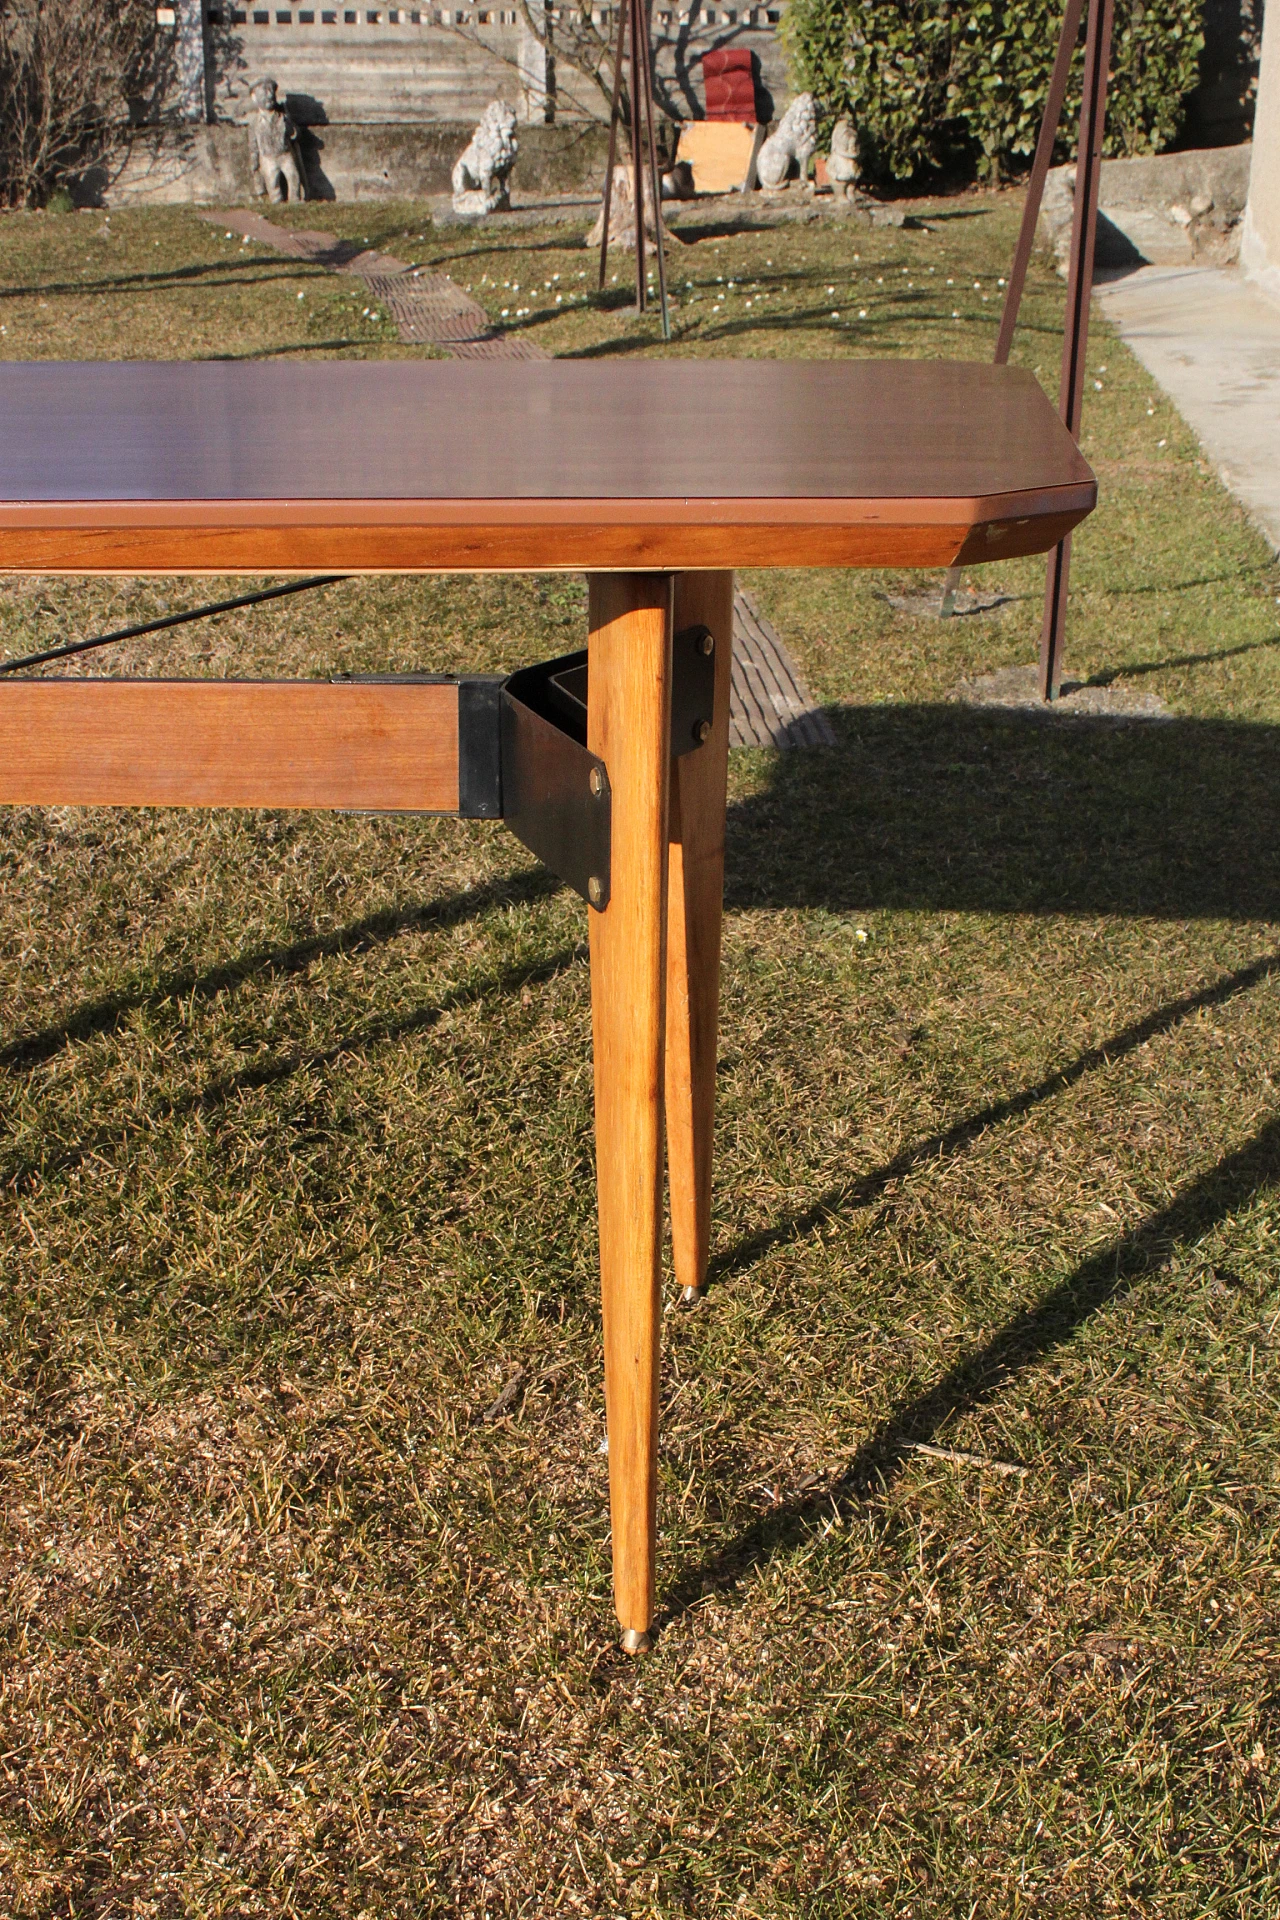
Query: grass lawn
{"points": [[296, 1172]]}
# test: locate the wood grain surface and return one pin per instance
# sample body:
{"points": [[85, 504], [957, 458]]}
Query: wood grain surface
{"points": [[695, 898], [229, 743], [629, 726], [222, 467]]}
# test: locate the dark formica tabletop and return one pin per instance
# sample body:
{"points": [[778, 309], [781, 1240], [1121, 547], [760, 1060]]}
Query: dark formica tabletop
{"points": [[179, 466]]}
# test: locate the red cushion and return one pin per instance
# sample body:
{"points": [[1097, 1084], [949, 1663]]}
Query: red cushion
{"points": [[731, 97], [726, 60]]}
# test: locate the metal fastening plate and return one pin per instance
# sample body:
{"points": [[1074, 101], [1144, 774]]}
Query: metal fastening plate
{"points": [[693, 688], [555, 794]]}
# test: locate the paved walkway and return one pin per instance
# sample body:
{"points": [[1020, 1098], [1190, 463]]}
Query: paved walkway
{"points": [[429, 309], [1213, 343]]}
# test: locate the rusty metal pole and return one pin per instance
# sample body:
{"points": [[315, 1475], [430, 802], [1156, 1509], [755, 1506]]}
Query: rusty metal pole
{"points": [[1039, 173], [1084, 230], [654, 183], [639, 30], [1049, 120], [613, 139]]}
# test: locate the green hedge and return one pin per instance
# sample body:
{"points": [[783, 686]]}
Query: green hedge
{"points": [[931, 86]]}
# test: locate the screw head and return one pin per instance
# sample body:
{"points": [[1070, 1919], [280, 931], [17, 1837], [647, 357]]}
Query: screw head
{"points": [[595, 890], [595, 780], [702, 731], [706, 644]]}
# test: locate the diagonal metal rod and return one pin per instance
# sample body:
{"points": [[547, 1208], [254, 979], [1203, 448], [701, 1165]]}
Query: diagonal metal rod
{"points": [[170, 620], [1039, 173], [1049, 122], [653, 181], [613, 138], [637, 146], [1084, 230]]}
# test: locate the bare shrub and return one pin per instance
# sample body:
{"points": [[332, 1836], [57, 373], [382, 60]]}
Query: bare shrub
{"points": [[72, 74]]}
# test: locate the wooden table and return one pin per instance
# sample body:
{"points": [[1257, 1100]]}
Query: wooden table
{"points": [[657, 478]]}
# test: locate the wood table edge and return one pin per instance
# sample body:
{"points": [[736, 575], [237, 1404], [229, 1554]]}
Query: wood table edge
{"points": [[425, 536]]}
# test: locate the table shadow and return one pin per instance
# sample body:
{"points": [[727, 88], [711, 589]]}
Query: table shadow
{"points": [[952, 808], [1028, 1337]]}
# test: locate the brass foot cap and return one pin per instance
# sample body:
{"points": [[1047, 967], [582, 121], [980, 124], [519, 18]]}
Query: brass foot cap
{"points": [[690, 1296], [633, 1641]]}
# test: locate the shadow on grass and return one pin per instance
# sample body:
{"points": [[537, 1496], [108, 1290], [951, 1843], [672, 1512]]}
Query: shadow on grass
{"points": [[973, 1382], [239, 273], [861, 1191], [270, 1072], [105, 1015], [1109, 677], [952, 808]]}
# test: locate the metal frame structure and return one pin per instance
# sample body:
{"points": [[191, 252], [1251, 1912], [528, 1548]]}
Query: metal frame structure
{"points": [[633, 25], [1084, 230]]}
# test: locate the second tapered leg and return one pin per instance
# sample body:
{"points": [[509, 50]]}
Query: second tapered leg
{"points": [[629, 726], [694, 912]]}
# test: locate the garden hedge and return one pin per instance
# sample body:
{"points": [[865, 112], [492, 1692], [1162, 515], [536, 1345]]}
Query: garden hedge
{"points": [[933, 86]]}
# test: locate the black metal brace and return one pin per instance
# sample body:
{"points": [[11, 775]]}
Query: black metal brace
{"points": [[523, 755]]}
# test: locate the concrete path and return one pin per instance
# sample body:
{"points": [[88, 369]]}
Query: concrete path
{"points": [[1213, 343]]}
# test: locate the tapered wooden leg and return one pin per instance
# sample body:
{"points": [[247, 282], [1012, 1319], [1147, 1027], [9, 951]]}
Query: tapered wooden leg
{"points": [[629, 725], [695, 905]]}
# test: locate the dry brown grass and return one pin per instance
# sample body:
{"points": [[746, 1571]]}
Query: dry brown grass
{"points": [[296, 1176]]}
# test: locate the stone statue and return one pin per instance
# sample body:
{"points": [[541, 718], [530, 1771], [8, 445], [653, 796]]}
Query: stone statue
{"points": [[842, 161], [273, 142], [480, 174], [794, 138]]}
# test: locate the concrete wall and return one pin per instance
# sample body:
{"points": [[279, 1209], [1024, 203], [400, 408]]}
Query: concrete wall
{"points": [[369, 64], [209, 166], [1260, 241]]}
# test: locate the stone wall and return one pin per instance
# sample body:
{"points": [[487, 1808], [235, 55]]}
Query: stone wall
{"points": [[209, 166], [1166, 209], [395, 65]]}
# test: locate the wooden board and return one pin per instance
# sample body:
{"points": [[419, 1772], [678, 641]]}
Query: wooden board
{"points": [[218, 467], [229, 743], [720, 152]]}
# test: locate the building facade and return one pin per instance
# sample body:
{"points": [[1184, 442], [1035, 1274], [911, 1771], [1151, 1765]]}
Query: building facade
{"points": [[379, 65]]}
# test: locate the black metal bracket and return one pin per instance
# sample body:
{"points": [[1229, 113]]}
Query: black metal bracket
{"points": [[555, 793], [523, 755]]}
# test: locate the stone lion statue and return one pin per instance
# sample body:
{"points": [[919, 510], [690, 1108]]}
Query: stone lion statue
{"points": [[273, 143], [843, 160], [480, 173], [795, 138]]}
